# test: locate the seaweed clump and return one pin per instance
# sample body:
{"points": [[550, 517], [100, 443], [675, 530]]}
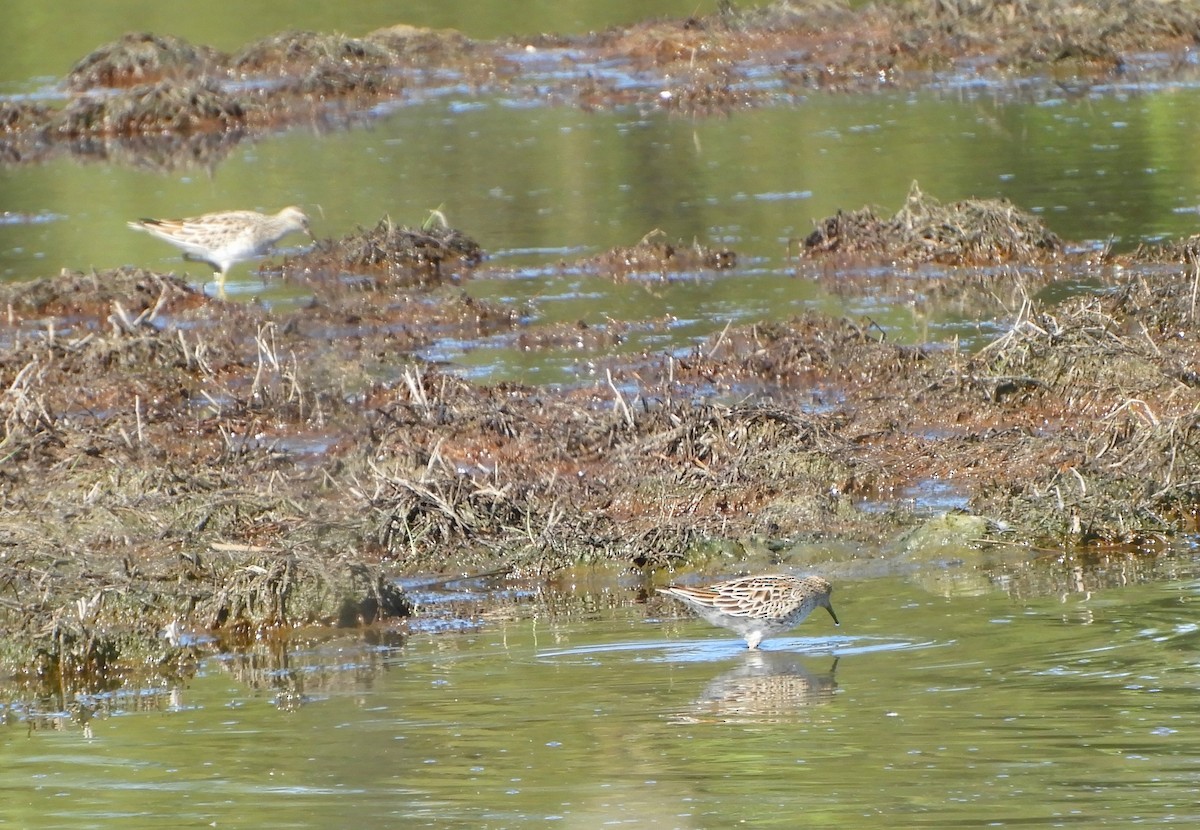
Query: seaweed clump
{"points": [[16, 116], [654, 254], [413, 45], [190, 107], [141, 58], [288, 51], [969, 232], [410, 256]]}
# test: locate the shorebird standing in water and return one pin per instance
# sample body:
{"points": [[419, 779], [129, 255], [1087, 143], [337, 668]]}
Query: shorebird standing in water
{"points": [[757, 607], [221, 240]]}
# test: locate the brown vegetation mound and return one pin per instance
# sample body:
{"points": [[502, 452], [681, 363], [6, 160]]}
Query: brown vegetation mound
{"points": [[170, 457], [212, 464], [405, 256], [291, 51], [414, 46], [655, 255], [970, 232], [143, 58], [190, 107], [1051, 31]]}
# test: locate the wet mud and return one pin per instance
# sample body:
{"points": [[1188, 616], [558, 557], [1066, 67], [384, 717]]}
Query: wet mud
{"points": [[176, 463]]}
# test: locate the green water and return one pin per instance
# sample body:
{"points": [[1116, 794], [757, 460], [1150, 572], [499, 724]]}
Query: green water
{"points": [[922, 710]]}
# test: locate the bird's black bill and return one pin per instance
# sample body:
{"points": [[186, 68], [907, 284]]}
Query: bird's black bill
{"points": [[829, 608]]}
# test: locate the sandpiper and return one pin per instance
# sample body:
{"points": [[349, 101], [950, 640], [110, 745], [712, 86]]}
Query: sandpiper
{"points": [[757, 607], [224, 239]]}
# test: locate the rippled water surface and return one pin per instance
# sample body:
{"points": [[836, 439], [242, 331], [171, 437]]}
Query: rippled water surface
{"points": [[976, 705]]}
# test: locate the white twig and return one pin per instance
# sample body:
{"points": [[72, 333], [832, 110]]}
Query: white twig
{"points": [[625, 410]]}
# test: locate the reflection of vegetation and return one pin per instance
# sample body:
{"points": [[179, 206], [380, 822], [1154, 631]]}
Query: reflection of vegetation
{"points": [[160, 153]]}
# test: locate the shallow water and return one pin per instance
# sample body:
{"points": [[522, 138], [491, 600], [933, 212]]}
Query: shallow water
{"points": [[537, 186], [1017, 701]]}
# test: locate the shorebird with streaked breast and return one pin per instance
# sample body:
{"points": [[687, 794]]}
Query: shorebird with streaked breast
{"points": [[223, 239], [757, 607]]}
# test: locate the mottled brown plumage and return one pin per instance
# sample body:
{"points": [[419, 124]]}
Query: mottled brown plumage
{"points": [[757, 607], [224, 239]]}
